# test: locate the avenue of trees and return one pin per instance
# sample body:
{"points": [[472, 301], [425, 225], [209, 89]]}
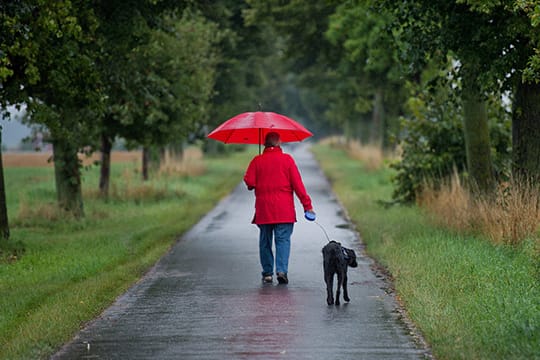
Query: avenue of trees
{"points": [[455, 83]]}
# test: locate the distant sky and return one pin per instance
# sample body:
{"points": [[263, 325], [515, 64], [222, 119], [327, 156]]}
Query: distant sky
{"points": [[13, 131]]}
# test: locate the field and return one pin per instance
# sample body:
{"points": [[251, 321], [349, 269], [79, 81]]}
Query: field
{"points": [[41, 159], [71, 269]]}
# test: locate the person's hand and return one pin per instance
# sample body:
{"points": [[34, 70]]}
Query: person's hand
{"points": [[310, 215]]}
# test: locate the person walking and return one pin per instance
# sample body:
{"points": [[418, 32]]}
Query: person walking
{"points": [[275, 177]]}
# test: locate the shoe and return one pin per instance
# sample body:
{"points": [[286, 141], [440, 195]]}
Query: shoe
{"points": [[267, 279], [282, 278]]}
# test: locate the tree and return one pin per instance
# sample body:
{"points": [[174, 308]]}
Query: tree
{"points": [[123, 26], [526, 131], [4, 223], [172, 83], [160, 66], [310, 56], [342, 61], [526, 78], [47, 63], [432, 138], [504, 47], [479, 43], [253, 70], [369, 61]]}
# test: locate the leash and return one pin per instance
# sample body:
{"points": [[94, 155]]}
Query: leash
{"points": [[325, 233], [310, 216]]}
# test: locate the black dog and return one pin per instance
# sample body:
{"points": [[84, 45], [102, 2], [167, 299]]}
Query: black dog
{"points": [[336, 258]]}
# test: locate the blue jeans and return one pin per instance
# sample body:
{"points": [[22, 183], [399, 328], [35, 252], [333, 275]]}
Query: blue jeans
{"points": [[281, 233]]}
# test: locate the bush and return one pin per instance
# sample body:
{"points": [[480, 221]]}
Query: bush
{"points": [[433, 145]]}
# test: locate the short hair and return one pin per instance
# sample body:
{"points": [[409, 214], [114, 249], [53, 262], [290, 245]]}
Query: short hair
{"points": [[271, 139]]}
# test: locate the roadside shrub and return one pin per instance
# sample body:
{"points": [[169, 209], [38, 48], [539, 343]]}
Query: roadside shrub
{"points": [[433, 145]]}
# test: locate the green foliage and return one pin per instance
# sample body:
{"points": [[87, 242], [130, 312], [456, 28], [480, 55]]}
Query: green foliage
{"points": [[171, 82], [300, 27], [362, 34], [432, 138], [254, 72], [47, 52], [432, 147], [50, 52], [532, 72], [370, 89], [303, 22], [469, 298]]}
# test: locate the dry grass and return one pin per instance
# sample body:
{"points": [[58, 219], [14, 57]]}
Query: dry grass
{"points": [[39, 159], [189, 164], [514, 215], [44, 212], [129, 187], [450, 205], [372, 156], [510, 216]]}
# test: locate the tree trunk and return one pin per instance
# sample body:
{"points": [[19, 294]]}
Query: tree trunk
{"points": [[4, 224], [67, 171], [476, 131], [526, 132], [145, 163], [105, 170]]}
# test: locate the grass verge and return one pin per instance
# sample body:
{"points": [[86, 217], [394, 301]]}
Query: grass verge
{"points": [[470, 298], [72, 270]]}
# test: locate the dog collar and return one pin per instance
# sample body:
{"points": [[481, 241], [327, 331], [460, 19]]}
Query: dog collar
{"points": [[344, 252]]}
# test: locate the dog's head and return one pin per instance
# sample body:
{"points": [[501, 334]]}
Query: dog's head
{"points": [[351, 257]]}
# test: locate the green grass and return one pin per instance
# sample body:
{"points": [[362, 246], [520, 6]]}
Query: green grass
{"points": [[471, 299], [72, 270]]}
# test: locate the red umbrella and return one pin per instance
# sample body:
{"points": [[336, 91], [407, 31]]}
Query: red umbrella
{"points": [[252, 127]]}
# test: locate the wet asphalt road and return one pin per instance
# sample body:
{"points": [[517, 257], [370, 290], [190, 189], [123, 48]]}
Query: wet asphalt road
{"points": [[205, 299]]}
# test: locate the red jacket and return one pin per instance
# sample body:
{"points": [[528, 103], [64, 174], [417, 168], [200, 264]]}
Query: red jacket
{"points": [[275, 177]]}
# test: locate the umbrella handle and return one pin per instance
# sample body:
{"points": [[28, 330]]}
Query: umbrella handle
{"points": [[260, 131]]}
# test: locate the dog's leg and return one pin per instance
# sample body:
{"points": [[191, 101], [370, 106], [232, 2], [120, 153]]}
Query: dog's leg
{"points": [[345, 292], [329, 279], [339, 285]]}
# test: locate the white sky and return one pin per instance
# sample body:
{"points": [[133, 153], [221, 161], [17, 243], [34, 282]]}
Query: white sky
{"points": [[13, 131]]}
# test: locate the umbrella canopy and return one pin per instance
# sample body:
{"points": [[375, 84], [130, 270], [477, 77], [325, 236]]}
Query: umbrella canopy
{"points": [[252, 127]]}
